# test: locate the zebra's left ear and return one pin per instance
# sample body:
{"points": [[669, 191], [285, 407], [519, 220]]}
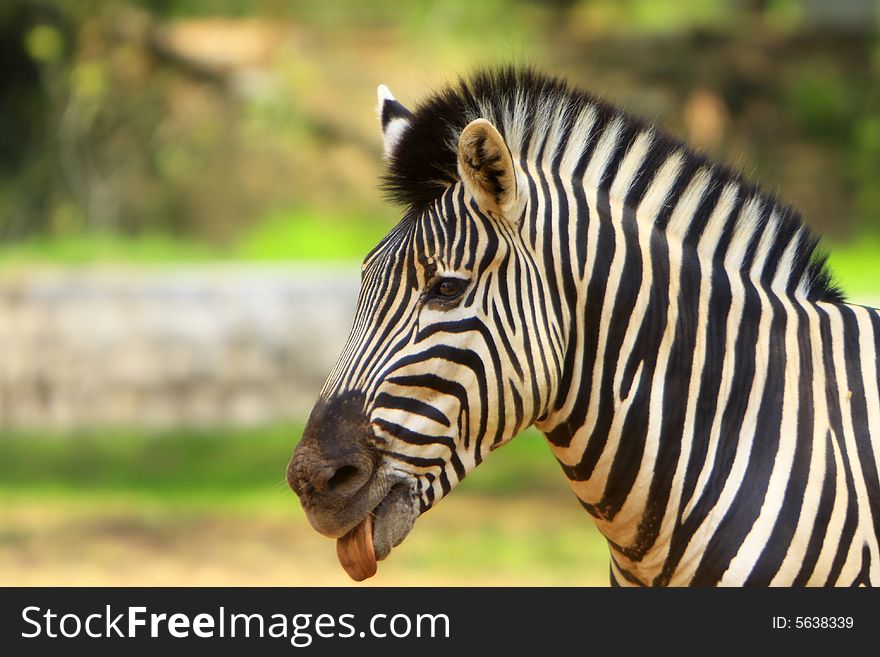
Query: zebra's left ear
{"points": [[394, 118], [488, 171]]}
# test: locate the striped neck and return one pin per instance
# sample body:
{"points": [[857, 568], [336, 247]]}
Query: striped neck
{"points": [[654, 245]]}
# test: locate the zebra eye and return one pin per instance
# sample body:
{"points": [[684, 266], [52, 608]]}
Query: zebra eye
{"points": [[448, 289]]}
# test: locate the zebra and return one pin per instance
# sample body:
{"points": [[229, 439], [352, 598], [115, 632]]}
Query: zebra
{"points": [[672, 329]]}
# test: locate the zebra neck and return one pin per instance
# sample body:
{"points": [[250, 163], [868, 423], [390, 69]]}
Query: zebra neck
{"points": [[629, 254], [625, 410]]}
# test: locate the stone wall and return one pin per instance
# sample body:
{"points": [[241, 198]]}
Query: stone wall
{"points": [[212, 345], [208, 345]]}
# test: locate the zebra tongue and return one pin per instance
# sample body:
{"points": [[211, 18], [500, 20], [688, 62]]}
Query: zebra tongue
{"points": [[356, 552]]}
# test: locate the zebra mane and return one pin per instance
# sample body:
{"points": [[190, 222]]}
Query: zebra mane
{"points": [[536, 112]]}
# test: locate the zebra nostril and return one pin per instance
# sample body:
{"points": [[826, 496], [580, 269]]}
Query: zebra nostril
{"points": [[339, 480], [342, 476]]}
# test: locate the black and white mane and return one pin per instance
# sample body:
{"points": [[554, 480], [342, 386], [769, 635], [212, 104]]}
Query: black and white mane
{"points": [[539, 116]]}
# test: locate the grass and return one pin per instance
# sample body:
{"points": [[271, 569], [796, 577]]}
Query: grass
{"points": [[167, 464], [285, 236], [95, 249], [129, 507], [229, 463], [856, 268], [304, 235]]}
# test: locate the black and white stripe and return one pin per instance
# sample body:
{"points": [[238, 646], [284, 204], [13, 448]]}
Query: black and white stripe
{"points": [[668, 326]]}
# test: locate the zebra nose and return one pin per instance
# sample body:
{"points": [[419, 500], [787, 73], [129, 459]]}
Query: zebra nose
{"points": [[334, 459], [338, 479]]}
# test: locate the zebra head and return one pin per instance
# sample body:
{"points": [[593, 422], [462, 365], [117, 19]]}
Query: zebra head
{"points": [[451, 352]]}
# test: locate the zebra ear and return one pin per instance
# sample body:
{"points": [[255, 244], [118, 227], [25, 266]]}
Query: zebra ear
{"points": [[394, 118], [487, 169]]}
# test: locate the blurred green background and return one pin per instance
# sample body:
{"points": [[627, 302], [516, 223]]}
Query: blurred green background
{"points": [[147, 134]]}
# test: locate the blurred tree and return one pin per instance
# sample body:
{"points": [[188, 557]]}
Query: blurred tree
{"points": [[28, 175], [201, 119]]}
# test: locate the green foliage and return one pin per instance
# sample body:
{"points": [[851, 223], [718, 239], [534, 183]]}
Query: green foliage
{"points": [[161, 463], [296, 235], [218, 464], [44, 43], [856, 268], [115, 128], [309, 236], [823, 103], [104, 249]]}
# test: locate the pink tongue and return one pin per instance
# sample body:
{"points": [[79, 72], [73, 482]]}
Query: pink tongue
{"points": [[355, 551]]}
